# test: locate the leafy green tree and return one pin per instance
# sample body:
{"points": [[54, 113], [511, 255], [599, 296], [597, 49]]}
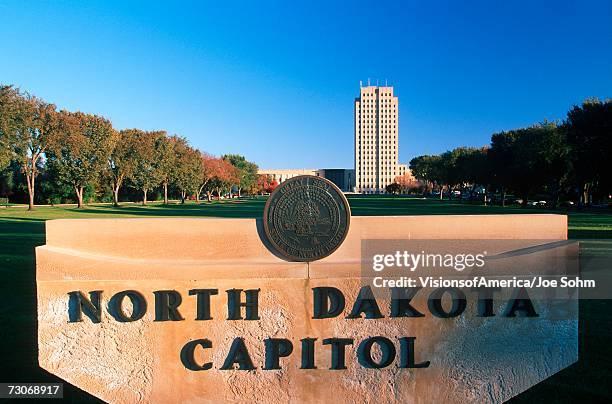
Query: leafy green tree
{"points": [[451, 169], [472, 168], [447, 175], [7, 181], [167, 160], [246, 172], [147, 174], [422, 167], [7, 124], [500, 158], [529, 159], [31, 126], [5, 154], [122, 161], [471, 165], [429, 169], [187, 170], [82, 151], [588, 132]]}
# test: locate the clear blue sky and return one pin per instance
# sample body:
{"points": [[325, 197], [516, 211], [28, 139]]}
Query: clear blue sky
{"points": [[276, 82]]}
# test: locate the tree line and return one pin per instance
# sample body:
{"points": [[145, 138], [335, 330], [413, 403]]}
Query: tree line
{"points": [[565, 160], [74, 156]]}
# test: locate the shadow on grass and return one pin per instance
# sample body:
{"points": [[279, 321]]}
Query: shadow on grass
{"points": [[228, 209], [588, 379], [18, 312], [584, 234]]}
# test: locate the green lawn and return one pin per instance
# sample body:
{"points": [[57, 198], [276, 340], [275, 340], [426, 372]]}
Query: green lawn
{"points": [[582, 224], [21, 231]]}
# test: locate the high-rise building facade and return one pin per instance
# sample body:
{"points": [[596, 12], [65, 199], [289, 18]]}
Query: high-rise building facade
{"points": [[376, 139]]}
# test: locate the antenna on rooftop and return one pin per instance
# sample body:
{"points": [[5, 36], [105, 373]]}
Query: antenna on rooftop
{"points": [[360, 83], [386, 83], [368, 82]]}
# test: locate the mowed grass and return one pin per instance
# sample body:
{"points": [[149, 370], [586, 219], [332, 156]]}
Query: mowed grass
{"points": [[582, 224], [21, 231]]}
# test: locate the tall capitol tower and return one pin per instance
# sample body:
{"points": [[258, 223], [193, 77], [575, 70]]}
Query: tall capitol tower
{"points": [[376, 139]]}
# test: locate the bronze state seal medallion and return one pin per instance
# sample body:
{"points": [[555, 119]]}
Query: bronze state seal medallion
{"points": [[306, 218]]}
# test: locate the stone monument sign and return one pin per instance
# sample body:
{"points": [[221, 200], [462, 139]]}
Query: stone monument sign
{"points": [[276, 310]]}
